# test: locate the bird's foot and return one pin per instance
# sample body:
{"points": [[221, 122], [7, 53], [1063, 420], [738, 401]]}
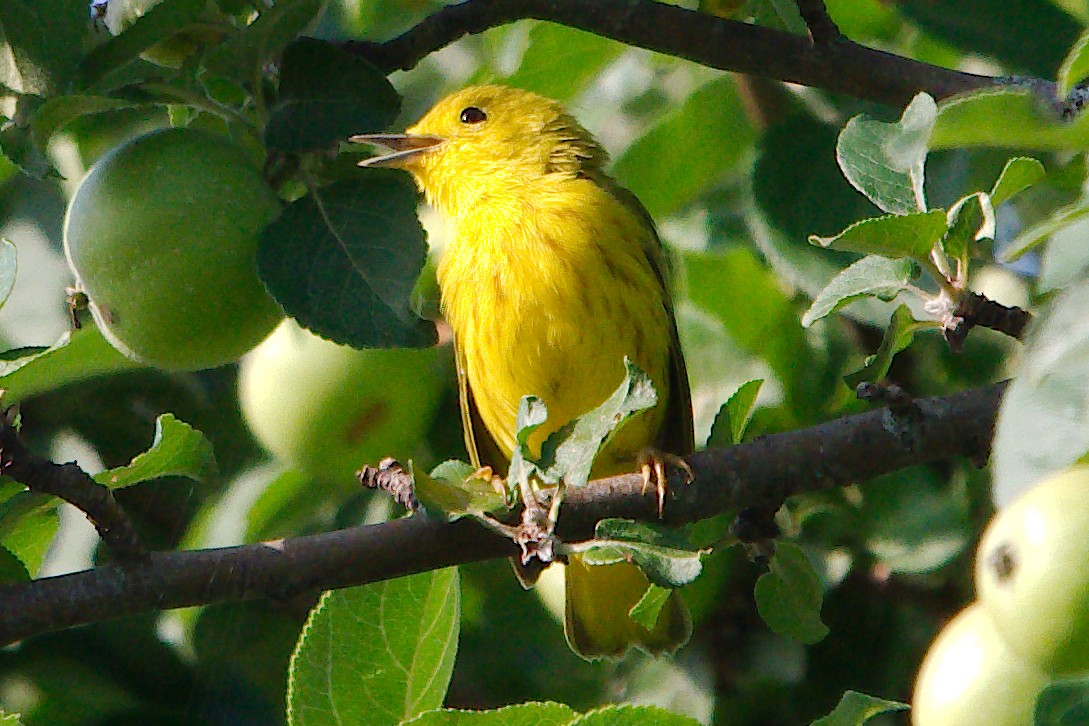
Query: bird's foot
{"points": [[652, 463]]}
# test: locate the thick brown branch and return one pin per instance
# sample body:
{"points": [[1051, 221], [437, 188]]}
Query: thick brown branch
{"points": [[761, 472], [74, 486], [841, 67]]}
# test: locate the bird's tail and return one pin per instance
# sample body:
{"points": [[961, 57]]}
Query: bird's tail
{"points": [[596, 620]]}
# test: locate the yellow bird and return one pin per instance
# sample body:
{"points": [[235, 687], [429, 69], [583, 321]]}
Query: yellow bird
{"points": [[552, 275]]}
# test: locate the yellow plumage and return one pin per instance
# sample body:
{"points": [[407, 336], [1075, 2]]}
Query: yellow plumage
{"points": [[551, 276]]}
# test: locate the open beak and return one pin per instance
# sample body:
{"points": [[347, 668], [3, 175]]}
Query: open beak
{"points": [[401, 147]]}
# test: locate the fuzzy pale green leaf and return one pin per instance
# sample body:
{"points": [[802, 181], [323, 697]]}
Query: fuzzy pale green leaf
{"points": [[872, 276], [885, 161]]}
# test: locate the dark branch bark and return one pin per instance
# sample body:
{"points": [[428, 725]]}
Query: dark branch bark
{"points": [[976, 310], [74, 486], [761, 472], [822, 29], [841, 67]]}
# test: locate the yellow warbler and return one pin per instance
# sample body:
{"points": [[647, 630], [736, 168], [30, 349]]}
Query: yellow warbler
{"points": [[551, 276]]}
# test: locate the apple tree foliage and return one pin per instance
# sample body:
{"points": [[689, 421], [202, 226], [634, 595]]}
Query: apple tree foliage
{"points": [[819, 241]]}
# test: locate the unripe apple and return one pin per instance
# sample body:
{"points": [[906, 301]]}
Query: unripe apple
{"points": [[970, 678], [328, 409], [1032, 573], [162, 236]]}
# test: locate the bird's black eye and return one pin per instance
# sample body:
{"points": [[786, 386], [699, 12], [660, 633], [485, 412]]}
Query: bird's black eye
{"points": [[472, 115]]}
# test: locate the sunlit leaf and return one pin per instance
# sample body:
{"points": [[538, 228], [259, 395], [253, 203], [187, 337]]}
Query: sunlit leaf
{"points": [[376, 654], [872, 276], [177, 450], [885, 161], [855, 709], [734, 416], [907, 235]]}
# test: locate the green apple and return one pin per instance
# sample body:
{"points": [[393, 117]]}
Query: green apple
{"points": [[329, 409], [1032, 573], [162, 236], [970, 678], [173, 51]]}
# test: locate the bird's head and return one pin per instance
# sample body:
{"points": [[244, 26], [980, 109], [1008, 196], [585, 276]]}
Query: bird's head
{"points": [[485, 138]]}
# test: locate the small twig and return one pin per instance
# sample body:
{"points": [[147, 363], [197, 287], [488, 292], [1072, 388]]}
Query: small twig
{"points": [[74, 486], [976, 310], [822, 29]]}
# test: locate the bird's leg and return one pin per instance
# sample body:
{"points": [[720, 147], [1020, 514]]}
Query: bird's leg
{"points": [[652, 463]]}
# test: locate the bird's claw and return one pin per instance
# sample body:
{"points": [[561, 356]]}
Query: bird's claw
{"points": [[652, 464]]}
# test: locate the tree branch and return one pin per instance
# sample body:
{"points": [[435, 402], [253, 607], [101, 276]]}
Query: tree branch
{"points": [[822, 29], [841, 67], [764, 471], [74, 486]]}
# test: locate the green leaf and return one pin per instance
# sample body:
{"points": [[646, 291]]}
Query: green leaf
{"points": [[1019, 173], [17, 145], [699, 143], [560, 61], [377, 654], [789, 596], [1063, 703], [667, 559], [343, 261], [1075, 66], [10, 719], [568, 453], [970, 219], [159, 23], [646, 611], [1043, 423], [856, 708], [57, 112], [1027, 35], [626, 714], [28, 524], [242, 55], [872, 276], [533, 713], [451, 490], [327, 94], [11, 569], [901, 331], [177, 450], [1042, 231], [1007, 117], [29, 63], [885, 161], [77, 356], [734, 416], [9, 265], [907, 235]]}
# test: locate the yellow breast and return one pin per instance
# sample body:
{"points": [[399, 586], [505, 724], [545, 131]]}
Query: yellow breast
{"points": [[547, 290]]}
